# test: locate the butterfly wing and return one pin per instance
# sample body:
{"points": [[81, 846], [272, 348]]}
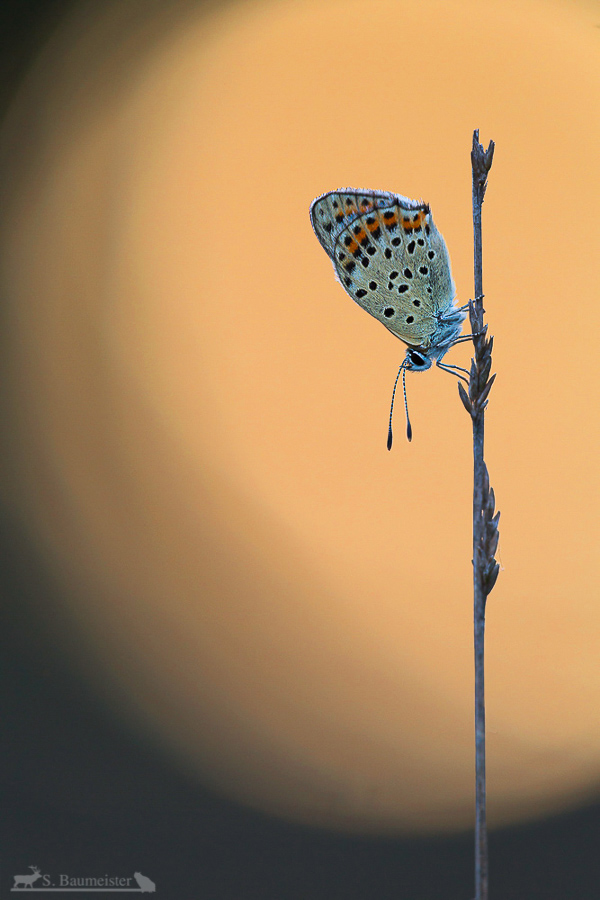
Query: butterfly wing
{"points": [[332, 213], [389, 257]]}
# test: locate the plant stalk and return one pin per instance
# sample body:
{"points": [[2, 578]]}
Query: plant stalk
{"points": [[485, 522]]}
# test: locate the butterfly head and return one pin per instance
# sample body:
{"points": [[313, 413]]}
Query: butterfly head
{"points": [[416, 360]]}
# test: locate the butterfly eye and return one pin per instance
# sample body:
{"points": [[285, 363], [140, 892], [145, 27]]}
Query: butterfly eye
{"points": [[389, 312]]}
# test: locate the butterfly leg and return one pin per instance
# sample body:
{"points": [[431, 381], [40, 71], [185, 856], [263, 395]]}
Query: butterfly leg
{"points": [[464, 337], [453, 370], [468, 305]]}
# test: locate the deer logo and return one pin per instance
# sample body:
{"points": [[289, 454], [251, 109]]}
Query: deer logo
{"points": [[146, 884], [25, 881]]}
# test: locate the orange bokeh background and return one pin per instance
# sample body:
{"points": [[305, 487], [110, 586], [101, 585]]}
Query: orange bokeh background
{"points": [[197, 412]]}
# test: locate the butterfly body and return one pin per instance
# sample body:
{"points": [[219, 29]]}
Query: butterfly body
{"points": [[390, 258]]}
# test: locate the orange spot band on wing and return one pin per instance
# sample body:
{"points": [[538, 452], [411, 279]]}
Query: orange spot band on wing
{"points": [[414, 221]]}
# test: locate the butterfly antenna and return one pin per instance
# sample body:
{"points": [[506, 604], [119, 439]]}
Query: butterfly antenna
{"points": [[408, 427]]}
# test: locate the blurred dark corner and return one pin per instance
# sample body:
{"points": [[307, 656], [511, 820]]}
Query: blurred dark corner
{"points": [[24, 27], [82, 795]]}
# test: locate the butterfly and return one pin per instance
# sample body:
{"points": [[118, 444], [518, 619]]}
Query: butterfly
{"points": [[390, 258]]}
